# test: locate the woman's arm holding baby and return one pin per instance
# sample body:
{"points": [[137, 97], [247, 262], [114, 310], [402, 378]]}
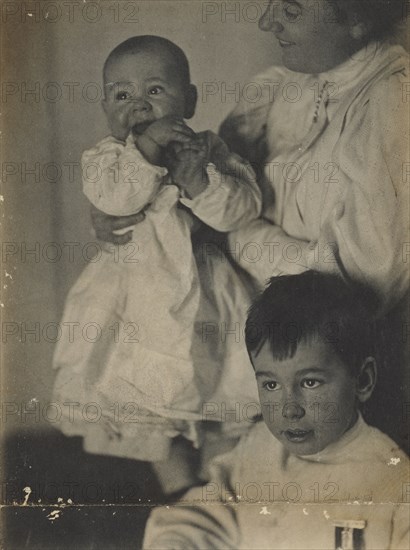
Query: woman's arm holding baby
{"points": [[113, 229]]}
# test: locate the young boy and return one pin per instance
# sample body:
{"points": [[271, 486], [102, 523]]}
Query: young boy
{"points": [[326, 480]]}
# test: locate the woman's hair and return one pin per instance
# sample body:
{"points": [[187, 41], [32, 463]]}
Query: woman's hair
{"points": [[313, 307], [381, 16]]}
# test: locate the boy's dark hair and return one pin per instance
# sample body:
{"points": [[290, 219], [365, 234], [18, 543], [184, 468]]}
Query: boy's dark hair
{"points": [[136, 44], [383, 16], [312, 306]]}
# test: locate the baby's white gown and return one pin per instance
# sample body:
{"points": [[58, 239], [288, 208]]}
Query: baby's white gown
{"points": [[167, 351]]}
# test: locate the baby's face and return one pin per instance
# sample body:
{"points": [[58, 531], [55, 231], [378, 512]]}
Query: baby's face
{"points": [[309, 400], [141, 88], [311, 37]]}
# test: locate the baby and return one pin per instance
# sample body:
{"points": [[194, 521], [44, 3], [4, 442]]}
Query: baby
{"points": [[149, 373], [326, 479]]}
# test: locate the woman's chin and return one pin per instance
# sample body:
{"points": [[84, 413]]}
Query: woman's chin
{"points": [[296, 65], [292, 63]]}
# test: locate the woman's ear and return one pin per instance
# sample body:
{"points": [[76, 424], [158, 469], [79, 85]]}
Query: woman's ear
{"points": [[191, 97], [366, 379], [358, 31]]}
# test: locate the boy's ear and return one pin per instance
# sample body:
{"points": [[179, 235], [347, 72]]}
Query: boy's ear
{"points": [[191, 97], [366, 379]]}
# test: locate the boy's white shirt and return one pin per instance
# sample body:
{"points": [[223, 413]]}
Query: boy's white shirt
{"points": [[261, 497]]}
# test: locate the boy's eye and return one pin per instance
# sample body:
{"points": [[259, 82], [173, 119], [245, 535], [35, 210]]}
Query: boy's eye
{"points": [[292, 12], [311, 383], [155, 90], [271, 385], [122, 96]]}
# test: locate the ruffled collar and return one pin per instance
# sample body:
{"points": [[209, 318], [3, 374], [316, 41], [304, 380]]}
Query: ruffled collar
{"points": [[352, 68], [338, 83], [370, 59]]}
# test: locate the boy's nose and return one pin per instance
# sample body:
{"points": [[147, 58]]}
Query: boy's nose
{"points": [[268, 22], [292, 410]]}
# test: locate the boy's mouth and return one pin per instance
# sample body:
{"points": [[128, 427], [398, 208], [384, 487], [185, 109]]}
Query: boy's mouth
{"points": [[297, 436]]}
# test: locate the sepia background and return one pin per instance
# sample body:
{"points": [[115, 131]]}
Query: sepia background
{"points": [[52, 55]]}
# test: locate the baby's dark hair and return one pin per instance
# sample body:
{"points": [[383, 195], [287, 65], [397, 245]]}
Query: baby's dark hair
{"points": [[382, 16], [312, 306], [136, 44]]}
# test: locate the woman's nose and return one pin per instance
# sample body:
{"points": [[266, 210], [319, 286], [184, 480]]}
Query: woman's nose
{"points": [[292, 410], [268, 22]]}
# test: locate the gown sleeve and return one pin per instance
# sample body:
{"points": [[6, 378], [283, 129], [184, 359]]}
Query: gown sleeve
{"points": [[117, 179]]}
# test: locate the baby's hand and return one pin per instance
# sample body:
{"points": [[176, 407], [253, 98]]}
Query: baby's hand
{"points": [[154, 140], [168, 129], [187, 166]]}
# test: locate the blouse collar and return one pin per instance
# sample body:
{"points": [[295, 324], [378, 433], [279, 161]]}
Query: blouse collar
{"points": [[352, 68]]}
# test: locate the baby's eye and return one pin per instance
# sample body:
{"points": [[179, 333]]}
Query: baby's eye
{"points": [[155, 90], [291, 12], [122, 96], [271, 385], [311, 383]]}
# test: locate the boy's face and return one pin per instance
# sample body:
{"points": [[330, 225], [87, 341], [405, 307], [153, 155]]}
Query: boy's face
{"points": [[311, 38], [143, 87], [309, 400]]}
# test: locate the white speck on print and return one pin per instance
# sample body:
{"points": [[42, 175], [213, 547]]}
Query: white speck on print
{"points": [[55, 514], [26, 490]]}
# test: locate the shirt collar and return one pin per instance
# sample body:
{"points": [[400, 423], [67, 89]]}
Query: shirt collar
{"points": [[335, 452]]}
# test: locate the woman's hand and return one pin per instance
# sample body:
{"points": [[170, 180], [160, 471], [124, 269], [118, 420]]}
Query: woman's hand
{"points": [[105, 225]]}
